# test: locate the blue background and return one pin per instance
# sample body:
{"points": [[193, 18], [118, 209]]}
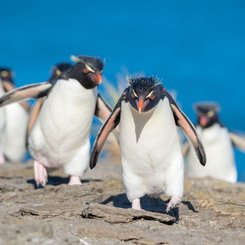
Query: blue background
{"points": [[195, 47]]}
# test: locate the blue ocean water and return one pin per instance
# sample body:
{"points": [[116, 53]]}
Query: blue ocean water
{"points": [[196, 47]]}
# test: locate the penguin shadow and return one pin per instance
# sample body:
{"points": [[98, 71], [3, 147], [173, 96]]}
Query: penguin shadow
{"points": [[57, 180], [156, 205]]}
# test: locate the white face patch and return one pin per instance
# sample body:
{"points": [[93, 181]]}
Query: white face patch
{"points": [[89, 68]]}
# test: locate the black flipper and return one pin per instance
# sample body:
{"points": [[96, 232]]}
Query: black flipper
{"points": [[238, 141], [25, 92], [9, 86], [182, 121], [102, 110], [34, 113], [111, 123]]}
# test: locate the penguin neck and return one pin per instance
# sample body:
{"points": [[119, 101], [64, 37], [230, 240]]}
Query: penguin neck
{"points": [[210, 134], [214, 128]]}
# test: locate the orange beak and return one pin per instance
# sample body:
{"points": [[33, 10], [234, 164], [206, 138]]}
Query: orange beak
{"points": [[203, 121], [98, 78], [140, 105]]}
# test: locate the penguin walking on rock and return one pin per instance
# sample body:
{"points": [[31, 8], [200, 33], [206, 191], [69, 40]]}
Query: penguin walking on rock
{"points": [[218, 142], [152, 161], [60, 136], [12, 134]]}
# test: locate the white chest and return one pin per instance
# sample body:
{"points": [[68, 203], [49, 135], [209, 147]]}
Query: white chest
{"points": [[219, 151], [66, 115], [217, 144], [148, 140]]}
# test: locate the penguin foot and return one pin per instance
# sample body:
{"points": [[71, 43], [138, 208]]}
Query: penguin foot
{"points": [[75, 180], [136, 204], [173, 202], [40, 173], [2, 158]]}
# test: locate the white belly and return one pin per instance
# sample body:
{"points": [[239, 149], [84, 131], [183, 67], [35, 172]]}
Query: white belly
{"points": [[150, 151], [220, 158], [62, 133], [14, 146], [13, 124]]}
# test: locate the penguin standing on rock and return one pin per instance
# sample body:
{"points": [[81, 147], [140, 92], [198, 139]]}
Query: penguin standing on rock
{"points": [[60, 136], [12, 134], [218, 143], [151, 156]]}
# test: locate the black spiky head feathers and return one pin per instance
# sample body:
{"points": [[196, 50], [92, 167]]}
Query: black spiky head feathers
{"points": [[96, 64], [143, 85], [144, 93]]}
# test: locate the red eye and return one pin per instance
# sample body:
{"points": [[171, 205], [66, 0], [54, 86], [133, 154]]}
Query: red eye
{"points": [[85, 70]]}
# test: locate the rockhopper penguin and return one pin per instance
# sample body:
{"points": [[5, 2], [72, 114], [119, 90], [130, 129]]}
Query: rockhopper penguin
{"points": [[151, 156], [218, 142], [60, 136]]}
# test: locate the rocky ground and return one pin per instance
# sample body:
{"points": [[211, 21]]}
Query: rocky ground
{"points": [[212, 212]]}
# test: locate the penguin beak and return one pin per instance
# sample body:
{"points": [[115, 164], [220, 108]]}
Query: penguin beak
{"points": [[203, 121], [97, 78], [140, 105]]}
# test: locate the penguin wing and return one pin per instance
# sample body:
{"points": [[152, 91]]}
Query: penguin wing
{"points": [[35, 111], [102, 110], [111, 123], [9, 86], [238, 141], [25, 92], [183, 121]]}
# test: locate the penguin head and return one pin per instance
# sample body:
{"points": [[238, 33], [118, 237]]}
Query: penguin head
{"points": [[144, 93], [6, 74], [58, 69], [88, 70], [207, 114]]}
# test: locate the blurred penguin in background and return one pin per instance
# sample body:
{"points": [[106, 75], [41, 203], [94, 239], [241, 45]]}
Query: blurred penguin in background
{"points": [[218, 142], [13, 123]]}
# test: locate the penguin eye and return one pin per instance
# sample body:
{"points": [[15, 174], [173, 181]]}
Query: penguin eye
{"points": [[210, 114], [134, 95], [150, 94]]}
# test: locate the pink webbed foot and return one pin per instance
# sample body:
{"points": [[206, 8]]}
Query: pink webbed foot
{"points": [[40, 174], [173, 202], [136, 204], [75, 180]]}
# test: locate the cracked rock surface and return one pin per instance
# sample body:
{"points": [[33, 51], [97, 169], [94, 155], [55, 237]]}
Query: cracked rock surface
{"points": [[98, 212]]}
